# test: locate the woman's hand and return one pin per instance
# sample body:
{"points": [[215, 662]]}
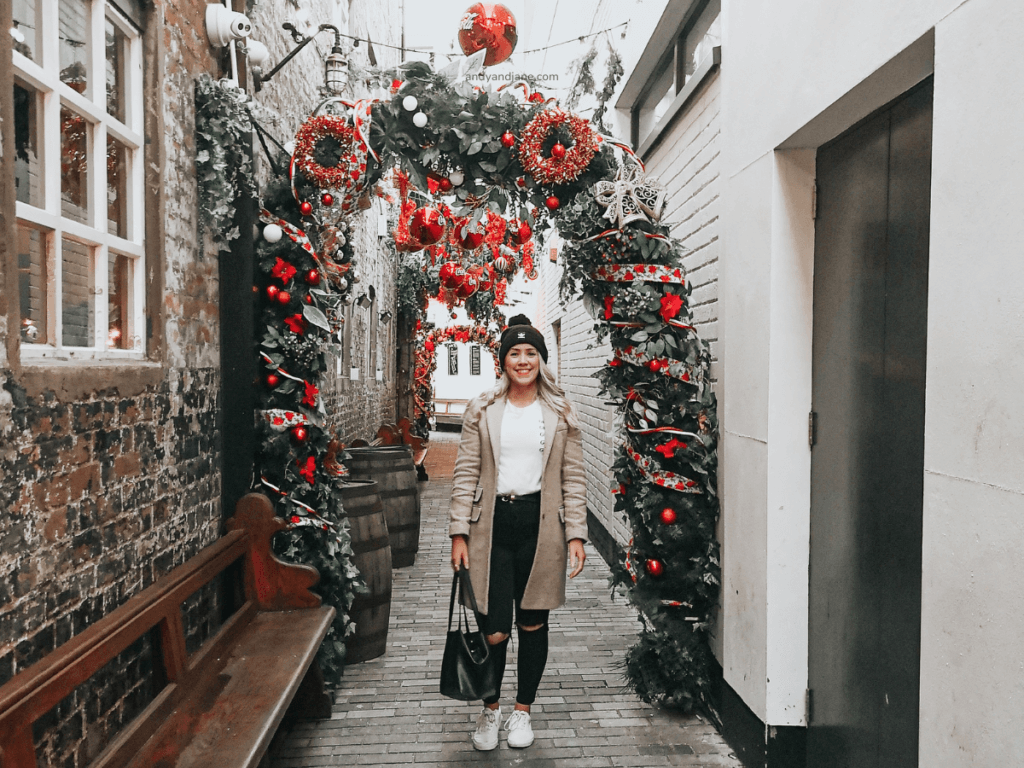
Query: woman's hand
{"points": [[577, 557], [460, 552]]}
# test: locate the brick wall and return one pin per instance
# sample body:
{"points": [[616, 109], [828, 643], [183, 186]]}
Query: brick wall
{"points": [[687, 163], [109, 479]]}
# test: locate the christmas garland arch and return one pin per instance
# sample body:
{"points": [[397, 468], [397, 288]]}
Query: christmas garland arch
{"points": [[426, 362], [510, 153]]}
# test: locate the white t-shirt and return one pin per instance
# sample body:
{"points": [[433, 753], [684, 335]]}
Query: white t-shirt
{"points": [[521, 460]]}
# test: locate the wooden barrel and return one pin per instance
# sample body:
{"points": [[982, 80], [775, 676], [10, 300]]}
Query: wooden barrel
{"points": [[391, 466], [371, 613]]}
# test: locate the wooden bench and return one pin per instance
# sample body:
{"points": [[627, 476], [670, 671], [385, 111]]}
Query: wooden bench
{"points": [[218, 708]]}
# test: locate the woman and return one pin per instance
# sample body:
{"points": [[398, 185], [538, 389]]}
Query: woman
{"points": [[518, 507]]}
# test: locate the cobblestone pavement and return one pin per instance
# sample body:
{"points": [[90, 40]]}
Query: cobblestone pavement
{"points": [[388, 712]]}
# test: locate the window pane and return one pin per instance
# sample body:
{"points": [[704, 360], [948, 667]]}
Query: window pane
{"points": [[25, 29], [116, 63], [659, 98], [119, 302], [74, 48], [32, 284], [28, 171], [117, 187], [77, 285], [74, 166], [704, 35]]}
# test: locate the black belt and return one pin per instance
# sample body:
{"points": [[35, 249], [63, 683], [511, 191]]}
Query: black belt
{"points": [[510, 497]]}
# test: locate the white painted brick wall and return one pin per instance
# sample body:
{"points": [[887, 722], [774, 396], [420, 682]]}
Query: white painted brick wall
{"points": [[687, 162]]}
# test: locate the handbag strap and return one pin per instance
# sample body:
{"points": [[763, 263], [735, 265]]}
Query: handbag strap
{"points": [[461, 578]]}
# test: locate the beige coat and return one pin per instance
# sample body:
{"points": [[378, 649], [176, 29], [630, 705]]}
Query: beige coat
{"points": [[563, 500]]}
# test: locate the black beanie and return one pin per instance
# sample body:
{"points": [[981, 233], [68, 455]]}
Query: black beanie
{"points": [[520, 331]]}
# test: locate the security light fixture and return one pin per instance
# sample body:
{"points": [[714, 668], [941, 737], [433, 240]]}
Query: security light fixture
{"points": [[364, 301], [335, 67], [385, 316]]}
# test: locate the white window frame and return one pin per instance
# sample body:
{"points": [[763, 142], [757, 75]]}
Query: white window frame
{"points": [[44, 77]]}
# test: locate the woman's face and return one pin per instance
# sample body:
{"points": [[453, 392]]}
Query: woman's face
{"points": [[522, 364]]}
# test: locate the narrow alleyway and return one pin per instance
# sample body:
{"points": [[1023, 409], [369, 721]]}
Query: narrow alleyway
{"points": [[388, 711]]}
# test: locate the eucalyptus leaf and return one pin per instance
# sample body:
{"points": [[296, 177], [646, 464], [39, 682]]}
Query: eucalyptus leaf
{"points": [[316, 317]]}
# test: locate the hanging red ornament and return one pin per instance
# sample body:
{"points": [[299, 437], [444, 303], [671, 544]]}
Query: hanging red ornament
{"points": [[507, 139], [445, 185], [306, 208], [519, 232], [284, 297], [273, 380], [489, 26], [654, 366], [426, 226], [272, 291], [668, 516], [654, 567], [313, 277], [451, 275], [558, 151], [469, 285], [552, 203], [503, 264], [308, 299], [469, 241], [300, 433], [327, 198]]}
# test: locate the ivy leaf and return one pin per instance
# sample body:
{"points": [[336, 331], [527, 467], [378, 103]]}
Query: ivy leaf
{"points": [[475, 147], [639, 336]]}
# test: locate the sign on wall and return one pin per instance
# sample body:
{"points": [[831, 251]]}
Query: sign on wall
{"points": [[453, 360]]}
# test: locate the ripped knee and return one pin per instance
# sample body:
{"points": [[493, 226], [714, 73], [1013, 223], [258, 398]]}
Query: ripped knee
{"points": [[532, 628], [497, 637]]}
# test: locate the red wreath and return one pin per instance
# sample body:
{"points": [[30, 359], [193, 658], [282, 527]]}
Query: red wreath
{"points": [[351, 161], [551, 170]]}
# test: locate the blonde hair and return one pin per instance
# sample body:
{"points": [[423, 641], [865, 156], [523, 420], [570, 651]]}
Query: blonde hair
{"points": [[548, 391]]}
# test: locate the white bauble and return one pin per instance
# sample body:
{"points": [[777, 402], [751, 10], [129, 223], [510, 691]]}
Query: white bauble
{"points": [[456, 178], [419, 119], [342, 284], [290, 147], [409, 103], [272, 233]]}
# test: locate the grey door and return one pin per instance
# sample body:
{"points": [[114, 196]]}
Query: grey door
{"points": [[867, 465]]}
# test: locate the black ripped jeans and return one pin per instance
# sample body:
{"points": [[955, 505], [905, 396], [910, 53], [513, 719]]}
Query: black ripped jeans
{"points": [[513, 547]]}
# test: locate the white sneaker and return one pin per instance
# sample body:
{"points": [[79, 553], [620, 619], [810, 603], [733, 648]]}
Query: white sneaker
{"points": [[520, 734], [485, 737]]}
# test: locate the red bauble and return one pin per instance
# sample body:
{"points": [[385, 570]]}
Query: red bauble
{"points": [[654, 366], [469, 285], [451, 275], [313, 277], [327, 198], [519, 232], [273, 379], [306, 208], [654, 567], [507, 139], [668, 515], [489, 26], [471, 240], [536, 97], [486, 278], [558, 151], [284, 297], [300, 433], [552, 203], [426, 226], [308, 299], [445, 185], [521, 181], [272, 291]]}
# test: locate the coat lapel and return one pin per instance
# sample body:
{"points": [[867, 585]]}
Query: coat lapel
{"points": [[550, 425], [494, 413]]}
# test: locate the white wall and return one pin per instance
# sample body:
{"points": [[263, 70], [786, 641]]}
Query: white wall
{"points": [[795, 74]]}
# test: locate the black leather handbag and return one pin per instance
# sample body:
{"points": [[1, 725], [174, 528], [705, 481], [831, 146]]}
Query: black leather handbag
{"points": [[467, 673]]}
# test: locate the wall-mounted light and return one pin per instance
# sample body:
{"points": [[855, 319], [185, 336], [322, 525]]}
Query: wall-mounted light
{"points": [[335, 67], [257, 53], [385, 316], [364, 301]]}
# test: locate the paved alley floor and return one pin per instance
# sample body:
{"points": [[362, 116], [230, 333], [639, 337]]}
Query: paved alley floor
{"points": [[388, 711]]}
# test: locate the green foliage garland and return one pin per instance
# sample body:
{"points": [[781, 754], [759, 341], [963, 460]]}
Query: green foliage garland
{"points": [[223, 161]]}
